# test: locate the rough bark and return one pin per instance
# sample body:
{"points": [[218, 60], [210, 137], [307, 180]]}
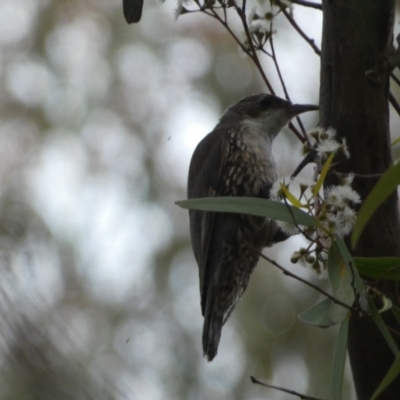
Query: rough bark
{"points": [[357, 37]]}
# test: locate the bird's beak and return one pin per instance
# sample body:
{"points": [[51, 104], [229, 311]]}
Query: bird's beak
{"points": [[295, 109]]}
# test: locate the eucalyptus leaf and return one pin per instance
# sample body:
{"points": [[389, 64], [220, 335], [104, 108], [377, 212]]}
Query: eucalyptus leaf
{"points": [[318, 315], [386, 185], [338, 313], [392, 374], [380, 323], [387, 268], [252, 206], [339, 359]]}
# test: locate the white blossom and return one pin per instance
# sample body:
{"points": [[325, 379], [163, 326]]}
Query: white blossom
{"points": [[328, 146], [338, 196], [288, 228], [343, 221]]}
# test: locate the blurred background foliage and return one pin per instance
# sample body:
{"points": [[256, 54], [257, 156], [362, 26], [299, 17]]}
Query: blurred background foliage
{"points": [[99, 287]]}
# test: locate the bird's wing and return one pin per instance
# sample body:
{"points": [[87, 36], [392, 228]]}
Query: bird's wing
{"points": [[205, 178]]}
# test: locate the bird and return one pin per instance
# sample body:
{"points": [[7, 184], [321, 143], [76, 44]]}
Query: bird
{"points": [[235, 159]]}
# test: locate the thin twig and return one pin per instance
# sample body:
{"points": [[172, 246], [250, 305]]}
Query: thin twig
{"points": [[253, 54], [302, 396], [360, 176], [307, 4], [315, 287], [299, 30], [303, 138]]}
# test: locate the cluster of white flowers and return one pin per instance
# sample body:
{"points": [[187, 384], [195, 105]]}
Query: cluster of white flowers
{"points": [[333, 208], [340, 216], [325, 142]]}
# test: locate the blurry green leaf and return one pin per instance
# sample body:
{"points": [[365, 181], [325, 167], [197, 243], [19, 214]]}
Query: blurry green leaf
{"points": [[132, 10], [381, 191], [250, 205], [339, 359], [395, 141], [318, 315], [392, 374], [357, 282], [322, 176], [338, 313], [380, 323], [341, 277], [379, 267], [338, 269]]}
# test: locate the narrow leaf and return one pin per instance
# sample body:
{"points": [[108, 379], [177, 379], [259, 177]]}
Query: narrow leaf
{"points": [[381, 191], [341, 277], [322, 176], [339, 359], [395, 141], [387, 268], [291, 197], [338, 313], [380, 323], [348, 258], [318, 315], [393, 373], [339, 273], [250, 205]]}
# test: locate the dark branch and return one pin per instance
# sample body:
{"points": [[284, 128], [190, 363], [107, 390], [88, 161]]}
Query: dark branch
{"points": [[299, 30], [302, 396]]}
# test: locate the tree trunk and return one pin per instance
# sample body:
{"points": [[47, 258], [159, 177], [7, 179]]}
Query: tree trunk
{"points": [[357, 37]]}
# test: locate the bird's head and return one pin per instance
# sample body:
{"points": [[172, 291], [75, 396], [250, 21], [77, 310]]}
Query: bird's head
{"points": [[265, 112]]}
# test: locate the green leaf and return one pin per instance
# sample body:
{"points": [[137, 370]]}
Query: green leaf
{"points": [[338, 268], [393, 373], [339, 359], [250, 205], [318, 315], [395, 141], [341, 277], [380, 323], [322, 176], [348, 258], [386, 185], [338, 313], [291, 197], [387, 268]]}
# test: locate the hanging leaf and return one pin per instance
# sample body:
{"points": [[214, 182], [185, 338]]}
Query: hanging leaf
{"points": [[323, 174], [252, 206], [318, 315], [339, 359], [380, 323], [386, 185], [392, 374], [292, 198], [387, 268]]}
